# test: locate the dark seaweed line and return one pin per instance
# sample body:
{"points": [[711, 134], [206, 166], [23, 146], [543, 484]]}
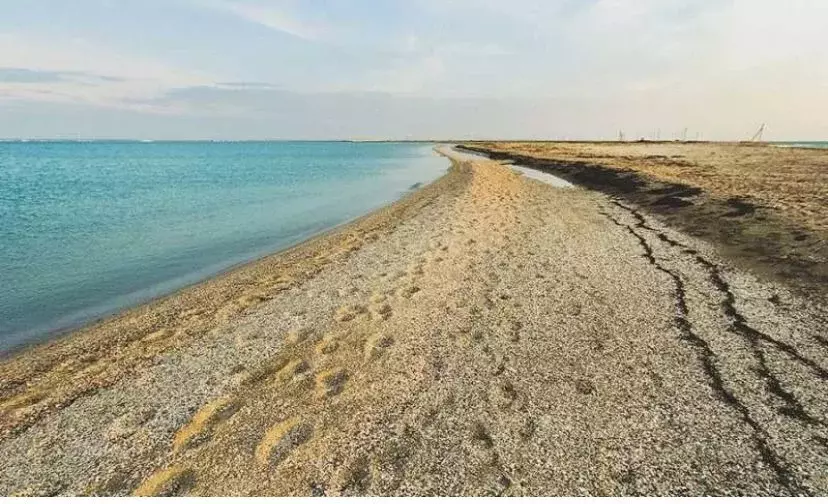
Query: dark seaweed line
{"points": [[642, 223], [739, 321], [708, 360], [738, 324]]}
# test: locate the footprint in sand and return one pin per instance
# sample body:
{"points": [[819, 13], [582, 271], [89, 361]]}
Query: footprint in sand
{"points": [[349, 312], [239, 305], [416, 267], [201, 425], [327, 345], [513, 330], [408, 291], [330, 383], [281, 439], [399, 274], [480, 436], [294, 370], [355, 477], [573, 309], [347, 291], [376, 345], [585, 387], [502, 394], [299, 335], [527, 429], [167, 482], [382, 310], [478, 335], [499, 365], [240, 376]]}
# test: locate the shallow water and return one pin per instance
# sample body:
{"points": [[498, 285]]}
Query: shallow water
{"points": [[531, 173], [547, 178], [88, 228]]}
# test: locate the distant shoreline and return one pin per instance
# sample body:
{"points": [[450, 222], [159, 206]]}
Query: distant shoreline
{"points": [[792, 143]]}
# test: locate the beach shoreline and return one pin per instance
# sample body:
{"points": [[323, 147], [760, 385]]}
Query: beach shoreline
{"points": [[489, 334], [53, 336], [233, 289], [187, 212]]}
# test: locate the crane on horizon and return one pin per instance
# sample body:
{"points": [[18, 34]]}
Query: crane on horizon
{"points": [[757, 137]]}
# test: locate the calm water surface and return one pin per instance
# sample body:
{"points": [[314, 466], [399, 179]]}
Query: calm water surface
{"points": [[88, 228], [805, 145]]}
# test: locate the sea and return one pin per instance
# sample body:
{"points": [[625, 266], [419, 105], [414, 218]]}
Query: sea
{"points": [[804, 145], [90, 228]]}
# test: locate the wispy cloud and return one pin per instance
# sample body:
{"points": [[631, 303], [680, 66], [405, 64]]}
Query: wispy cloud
{"points": [[599, 64], [45, 53], [275, 16], [42, 69], [26, 75]]}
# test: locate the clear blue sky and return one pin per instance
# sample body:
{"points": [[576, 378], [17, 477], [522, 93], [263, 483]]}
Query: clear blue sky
{"points": [[413, 68]]}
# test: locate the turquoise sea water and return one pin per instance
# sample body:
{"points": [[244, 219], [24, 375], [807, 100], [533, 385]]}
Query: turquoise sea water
{"points": [[88, 228], [806, 145]]}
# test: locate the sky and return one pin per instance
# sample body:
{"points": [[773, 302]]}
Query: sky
{"points": [[412, 69]]}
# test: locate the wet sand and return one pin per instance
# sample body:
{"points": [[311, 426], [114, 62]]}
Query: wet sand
{"points": [[488, 335]]}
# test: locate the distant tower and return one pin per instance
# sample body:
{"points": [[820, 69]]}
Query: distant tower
{"points": [[757, 137]]}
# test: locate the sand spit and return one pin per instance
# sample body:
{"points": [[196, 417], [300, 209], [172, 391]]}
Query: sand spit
{"points": [[489, 335], [762, 205]]}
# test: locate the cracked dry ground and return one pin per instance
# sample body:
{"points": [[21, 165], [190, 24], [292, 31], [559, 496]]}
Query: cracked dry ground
{"points": [[507, 338]]}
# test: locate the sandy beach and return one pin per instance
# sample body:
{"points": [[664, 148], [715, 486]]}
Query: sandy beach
{"points": [[762, 205], [489, 334]]}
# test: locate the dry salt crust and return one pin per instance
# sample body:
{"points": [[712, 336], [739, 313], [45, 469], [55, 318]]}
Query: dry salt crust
{"points": [[506, 337]]}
